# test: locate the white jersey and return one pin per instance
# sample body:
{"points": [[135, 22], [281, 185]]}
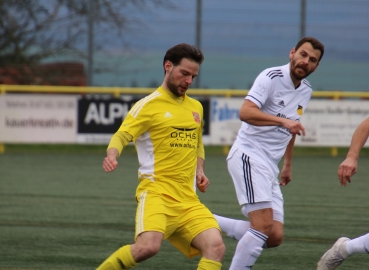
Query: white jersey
{"points": [[275, 94]]}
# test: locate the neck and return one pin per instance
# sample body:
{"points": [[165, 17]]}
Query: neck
{"points": [[295, 82]]}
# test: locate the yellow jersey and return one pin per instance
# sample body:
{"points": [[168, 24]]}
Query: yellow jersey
{"points": [[167, 133]]}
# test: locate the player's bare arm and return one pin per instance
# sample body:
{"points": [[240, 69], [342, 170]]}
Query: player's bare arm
{"points": [[349, 166], [251, 114], [110, 162], [286, 172], [347, 169], [202, 182]]}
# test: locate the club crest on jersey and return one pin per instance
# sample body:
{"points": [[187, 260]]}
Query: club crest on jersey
{"points": [[299, 110], [196, 117]]}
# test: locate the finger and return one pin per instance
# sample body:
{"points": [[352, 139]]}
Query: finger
{"points": [[109, 166], [341, 178], [104, 167], [347, 173], [348, 178]]}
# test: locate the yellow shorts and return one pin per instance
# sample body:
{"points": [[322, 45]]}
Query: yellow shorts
{"points": [[179, 222]]}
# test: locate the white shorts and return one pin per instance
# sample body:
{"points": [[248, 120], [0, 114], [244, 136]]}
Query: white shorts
{"points": [[254, 182]]}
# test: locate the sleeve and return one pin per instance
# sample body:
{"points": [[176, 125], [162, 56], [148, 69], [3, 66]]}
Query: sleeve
{"points": [[120, 140], [260, 90], [138, 120]]}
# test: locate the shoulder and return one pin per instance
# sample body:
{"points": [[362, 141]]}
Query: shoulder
{"points": [[306, 84], [272, 72], [268, 77], [145, 103], [193, 101], [150, 99], [305, 88]]}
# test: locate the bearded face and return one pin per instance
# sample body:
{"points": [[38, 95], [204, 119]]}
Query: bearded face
{"points": [[179, 78], [303, 61], [299, 70], [174, 87]]}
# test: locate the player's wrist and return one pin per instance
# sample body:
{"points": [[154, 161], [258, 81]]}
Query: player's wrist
{"points": [[352, 156]]}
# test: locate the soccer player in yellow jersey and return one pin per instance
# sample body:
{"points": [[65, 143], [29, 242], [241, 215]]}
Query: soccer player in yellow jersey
{"points": [[166, 127]]}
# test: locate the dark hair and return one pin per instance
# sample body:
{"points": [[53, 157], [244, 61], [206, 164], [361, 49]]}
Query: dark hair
{"points": [[183, 50], [314, 42]]}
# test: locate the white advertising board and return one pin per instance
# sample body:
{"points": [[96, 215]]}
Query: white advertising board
{"points": [[332, 122], [224, 120], [36, 118]]}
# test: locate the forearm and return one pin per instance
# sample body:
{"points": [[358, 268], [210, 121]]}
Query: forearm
{"points": [[259, 118], [359, 139], [200, 165], [287, 160], [251, 114]]}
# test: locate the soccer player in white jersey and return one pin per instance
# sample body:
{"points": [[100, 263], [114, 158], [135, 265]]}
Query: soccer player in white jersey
{"points": [[270, 118], [345, 247], [166, 127]]}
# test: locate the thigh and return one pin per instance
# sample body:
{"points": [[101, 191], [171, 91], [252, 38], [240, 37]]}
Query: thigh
{"points": [[195, 219], [278, 203], [155, 214], [253, 181]]}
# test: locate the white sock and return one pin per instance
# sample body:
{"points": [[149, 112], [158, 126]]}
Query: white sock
{"points": [[248, 250], [358, 245], [234, 228]]}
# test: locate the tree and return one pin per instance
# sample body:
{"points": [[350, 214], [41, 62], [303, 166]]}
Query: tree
{"points": [[32, 30]]}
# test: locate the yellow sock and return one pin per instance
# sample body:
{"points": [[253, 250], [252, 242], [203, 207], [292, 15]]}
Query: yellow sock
{"points": [[120, 259], [206, 264]]}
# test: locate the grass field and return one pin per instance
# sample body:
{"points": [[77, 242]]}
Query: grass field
{"points": [[59, 210]]}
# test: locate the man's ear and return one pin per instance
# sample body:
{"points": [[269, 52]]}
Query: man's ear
{"points": [[292, 52], [168, 66]]}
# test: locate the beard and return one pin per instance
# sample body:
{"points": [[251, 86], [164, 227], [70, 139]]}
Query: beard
{"points": [[295, 74], [174, 88]]}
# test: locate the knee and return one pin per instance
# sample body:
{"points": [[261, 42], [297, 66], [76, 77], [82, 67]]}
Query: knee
{"points": [[214, 250], [217, 249], [275, 239], [265, 228], [220, 249], [145, 251]]}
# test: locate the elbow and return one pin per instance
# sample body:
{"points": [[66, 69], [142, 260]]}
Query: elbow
{"points": [[244, 116]]}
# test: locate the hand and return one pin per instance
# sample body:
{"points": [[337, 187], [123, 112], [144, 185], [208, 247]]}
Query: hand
{"points": [[286, 175], [294, 127], [110, 163], [347, 169], [202, 182]]}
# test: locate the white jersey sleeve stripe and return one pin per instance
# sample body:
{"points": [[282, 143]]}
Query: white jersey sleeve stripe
{"points": [[138, 106], [261, 104]]}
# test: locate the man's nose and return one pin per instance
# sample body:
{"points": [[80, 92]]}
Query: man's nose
{"points": [[305, 60], [189, 80]]}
